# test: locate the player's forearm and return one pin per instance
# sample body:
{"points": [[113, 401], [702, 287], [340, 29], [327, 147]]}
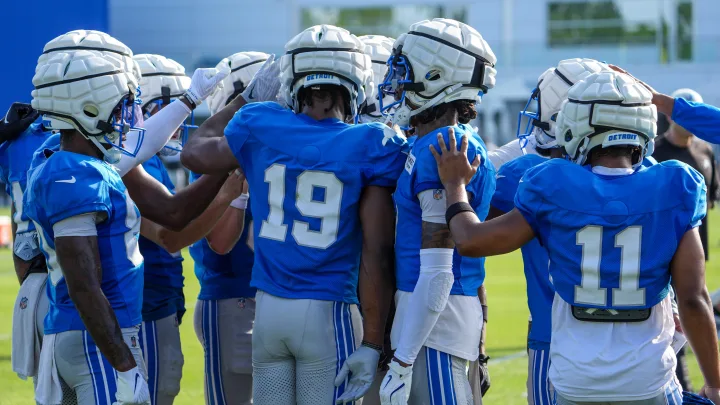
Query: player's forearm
{"points": [[482, 296], [188, 203], [223, 237], [81, 267], [214, 127], [663, 103], [698, 323], [376, 292]]}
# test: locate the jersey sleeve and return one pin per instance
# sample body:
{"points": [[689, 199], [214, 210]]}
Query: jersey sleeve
{"points": [[387, 155], [425, 168], [529, 198], [702, 120], [62, 198], [506, 185], [696, 197]]}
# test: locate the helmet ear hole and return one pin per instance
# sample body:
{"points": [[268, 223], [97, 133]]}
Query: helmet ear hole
{"points": [[91, 111], [432, 75], [568, 136]]}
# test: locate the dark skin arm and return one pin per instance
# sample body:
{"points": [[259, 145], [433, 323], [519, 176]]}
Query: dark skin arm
{"points": [[79, 259], [696, 313], [473, 238], [376, 279], [207, 151], [174, 212], [482, 296], [494, 213]]}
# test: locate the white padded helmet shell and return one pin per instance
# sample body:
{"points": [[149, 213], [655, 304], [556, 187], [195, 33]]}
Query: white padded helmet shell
{"points": [[379, 48], [80, 90], [449, 61], [606, 109], [325, 54], [243, 66], [114, 50], [553, 86], [162, 79]]}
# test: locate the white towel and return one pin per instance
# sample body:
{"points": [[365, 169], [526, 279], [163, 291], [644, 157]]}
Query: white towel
{"points": [[25, 336], [48, 390]]}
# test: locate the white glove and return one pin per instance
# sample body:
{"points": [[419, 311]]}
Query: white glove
{"points": [[265, 85], [362, 366], [131, 388], [395, 387], [203, 83]]}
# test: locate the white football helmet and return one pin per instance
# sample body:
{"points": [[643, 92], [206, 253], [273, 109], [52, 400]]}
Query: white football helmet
{"points": [[85, 90], [549, 95], [606, 109], [437, 61], [114, 50], [325, 54], [380, 49], [243, 66], [163, 80]]}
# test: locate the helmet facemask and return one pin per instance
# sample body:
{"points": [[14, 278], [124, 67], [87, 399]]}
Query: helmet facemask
{"points": [[180, 137]]}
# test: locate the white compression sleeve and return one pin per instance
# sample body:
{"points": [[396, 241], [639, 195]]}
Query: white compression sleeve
{"points": [[79, 225], [510, 151], [158, 130], [427, 301]]}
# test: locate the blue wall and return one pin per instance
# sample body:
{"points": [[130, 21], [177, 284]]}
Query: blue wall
{"points": [[27, 25]]}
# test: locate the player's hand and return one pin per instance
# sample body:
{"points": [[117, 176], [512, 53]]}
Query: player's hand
{"points": [[395, 387], [132, 389], [712, 394], [453, 165], [361, 366], [484, 374], [203, 83], [233, 186], [265, 85], [621, 70]]}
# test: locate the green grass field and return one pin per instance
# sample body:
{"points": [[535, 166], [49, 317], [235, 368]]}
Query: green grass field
{"points": [[506, 330]]}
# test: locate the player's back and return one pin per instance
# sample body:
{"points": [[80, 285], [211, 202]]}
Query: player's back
{"points": [[307, 178], [540, 291], [225, 276], [65, 185], [610, 240]]}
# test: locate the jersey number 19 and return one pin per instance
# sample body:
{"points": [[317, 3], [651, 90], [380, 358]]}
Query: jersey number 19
{"points": [[328, 211]]}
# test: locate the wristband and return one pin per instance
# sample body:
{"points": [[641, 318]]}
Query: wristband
{"points": [[192, 98], [372, 346], [485, 312], [455, 209], [240, 202]]}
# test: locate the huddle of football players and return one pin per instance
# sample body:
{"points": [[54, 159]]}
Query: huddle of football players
{"points": [[349, 222]]}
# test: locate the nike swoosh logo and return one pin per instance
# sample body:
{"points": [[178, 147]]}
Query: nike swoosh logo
{"points": [[70, 180], [252, 91], [136, 382]]}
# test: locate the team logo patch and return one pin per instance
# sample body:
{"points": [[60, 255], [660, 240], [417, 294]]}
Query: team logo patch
{"points": [[241, 303], [438, 194], [133, 341], [23, 302]]}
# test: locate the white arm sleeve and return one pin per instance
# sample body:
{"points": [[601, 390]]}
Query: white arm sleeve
{"points": [[79, 225], [158, 130], [510, 151], [432, 290]]}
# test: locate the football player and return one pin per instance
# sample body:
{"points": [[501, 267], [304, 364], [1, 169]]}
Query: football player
{"points": [[321, 196], [225, 309], [438, 319], [616, 232], [547, 98], [379, 48]]}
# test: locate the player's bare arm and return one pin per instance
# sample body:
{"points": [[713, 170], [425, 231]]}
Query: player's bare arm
{"points": [[198, 228], [696, 313], [472, 237], [227, 232], [172, 211], [79, 258], [376, 278]]}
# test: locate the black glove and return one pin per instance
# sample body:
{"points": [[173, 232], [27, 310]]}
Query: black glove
{"points": [[18, 119], [484, 374]]}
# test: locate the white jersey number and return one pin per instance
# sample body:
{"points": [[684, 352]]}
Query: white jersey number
{"points": [[589, 291], [328, 210]]}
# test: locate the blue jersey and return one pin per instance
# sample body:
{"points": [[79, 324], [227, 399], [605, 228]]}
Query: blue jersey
{"points": [[67, 184], [421, 174], [15, 159], [225, 276], [700, 119], [540, 291], [611, 238], [163, 295], [306, 178]]}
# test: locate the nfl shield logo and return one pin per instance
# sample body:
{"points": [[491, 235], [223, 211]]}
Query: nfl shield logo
{"points": [[133, 341], [437, 194], [23, 303]]}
